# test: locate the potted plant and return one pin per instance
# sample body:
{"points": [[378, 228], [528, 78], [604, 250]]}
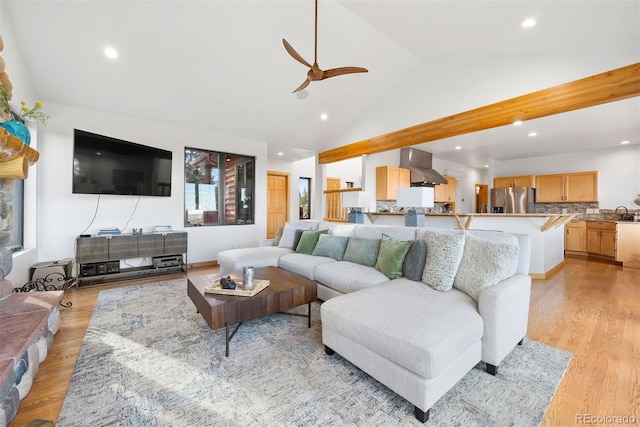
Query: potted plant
{"points": [[13, 122]]}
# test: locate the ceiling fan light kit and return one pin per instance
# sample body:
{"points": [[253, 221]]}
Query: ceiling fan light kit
{"points": [[315, 73]]}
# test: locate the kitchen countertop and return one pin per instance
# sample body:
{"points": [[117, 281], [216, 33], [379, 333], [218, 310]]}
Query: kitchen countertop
{"points": [[478, 214], [553, 220]]}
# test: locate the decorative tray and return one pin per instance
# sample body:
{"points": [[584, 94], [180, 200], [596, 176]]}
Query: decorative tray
{"points": [[216, 288]]}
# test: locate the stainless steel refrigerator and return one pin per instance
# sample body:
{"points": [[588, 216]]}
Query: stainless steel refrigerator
{"points": [[513, 200]]}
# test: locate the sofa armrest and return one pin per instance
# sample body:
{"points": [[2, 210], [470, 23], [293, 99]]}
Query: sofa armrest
{"points": [[505, 311], [266, 242]]}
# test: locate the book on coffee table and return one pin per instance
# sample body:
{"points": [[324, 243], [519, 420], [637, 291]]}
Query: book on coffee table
{"points": [[216, 288]]}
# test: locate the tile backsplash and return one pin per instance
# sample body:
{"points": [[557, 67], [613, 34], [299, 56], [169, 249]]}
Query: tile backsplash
{"points": [[587, 211]]}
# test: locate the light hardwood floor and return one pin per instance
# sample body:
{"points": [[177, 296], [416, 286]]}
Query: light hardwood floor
{"points": [[588, 307]]}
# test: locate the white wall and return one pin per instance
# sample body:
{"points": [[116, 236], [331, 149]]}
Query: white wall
{"points": [[63, 215], [302, 168], [618, 167]]}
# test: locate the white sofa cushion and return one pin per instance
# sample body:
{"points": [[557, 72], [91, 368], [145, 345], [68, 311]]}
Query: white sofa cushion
{"points": [[408, 323], [302, 264], [235, 259], [345, 276], [338, 228], [485, 263], [376, 232]]}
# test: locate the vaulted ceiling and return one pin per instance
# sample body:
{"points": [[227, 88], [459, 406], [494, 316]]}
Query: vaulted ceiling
{"points": [[220, 65]]}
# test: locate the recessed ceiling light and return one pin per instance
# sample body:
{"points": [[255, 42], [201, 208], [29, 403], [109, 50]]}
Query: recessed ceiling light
{"points": [[324, 116], [528, 23], [458, 147], [280, 153], [110, 52], [517, 123], [486, 166], [624, 142], [533, 133]]}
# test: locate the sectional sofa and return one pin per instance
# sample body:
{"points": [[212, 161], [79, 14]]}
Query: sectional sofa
{"points": [[415, 308]]}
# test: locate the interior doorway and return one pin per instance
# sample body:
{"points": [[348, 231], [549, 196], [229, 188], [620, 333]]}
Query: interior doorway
{"points": [[277, 201], [482, 198]]}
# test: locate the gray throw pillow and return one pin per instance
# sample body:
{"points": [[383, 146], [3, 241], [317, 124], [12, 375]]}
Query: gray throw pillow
{"points": [[289, 235], [276, 239], [485, 263], [414, 261], [331, 246], [444, 252], [362, 251]]}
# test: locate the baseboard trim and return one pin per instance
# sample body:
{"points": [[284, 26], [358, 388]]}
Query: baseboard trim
{"points": [[203, 264], [549, 272]]}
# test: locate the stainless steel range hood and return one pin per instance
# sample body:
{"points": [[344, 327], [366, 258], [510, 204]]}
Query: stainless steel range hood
{"points": [[419, 163]]}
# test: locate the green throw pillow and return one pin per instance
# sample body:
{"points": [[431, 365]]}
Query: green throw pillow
{"points": [[308, 241], [391, 256], [362, 251], [331, 246]]}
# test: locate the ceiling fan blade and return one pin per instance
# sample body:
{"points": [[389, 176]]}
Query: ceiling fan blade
{"points": [[343, 70], [302, 86], [294, 54]]}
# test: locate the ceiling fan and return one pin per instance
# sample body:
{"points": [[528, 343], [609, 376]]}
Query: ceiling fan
{"points": [[315, 73]]}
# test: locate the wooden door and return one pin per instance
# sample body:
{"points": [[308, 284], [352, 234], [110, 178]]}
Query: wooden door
{"points": [[277, 201], [482, 198], [334, 200], [550, 188], [582, 187]]}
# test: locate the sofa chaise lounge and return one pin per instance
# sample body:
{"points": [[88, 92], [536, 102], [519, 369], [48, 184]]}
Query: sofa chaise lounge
{"points": [[415, 308]]}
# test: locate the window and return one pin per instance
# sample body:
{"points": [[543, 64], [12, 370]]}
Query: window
{"points": [[11, 214], [219, 188], [305, 198]]}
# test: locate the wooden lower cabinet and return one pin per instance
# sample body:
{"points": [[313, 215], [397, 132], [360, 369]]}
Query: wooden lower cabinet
{"points": [[628, 244], [575, 236], [601, 238]]}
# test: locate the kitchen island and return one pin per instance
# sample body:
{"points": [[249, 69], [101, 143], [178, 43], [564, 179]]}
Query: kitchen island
{"points": [[546, 231]]}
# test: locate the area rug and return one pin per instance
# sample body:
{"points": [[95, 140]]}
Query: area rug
{"points": [[149, 359]]}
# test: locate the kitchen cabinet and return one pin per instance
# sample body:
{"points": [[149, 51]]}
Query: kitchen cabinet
{"points": [[446, 193], [628, 244], [389, 179], [601, 238], [575, 236], [567, 187], [514, 181]]}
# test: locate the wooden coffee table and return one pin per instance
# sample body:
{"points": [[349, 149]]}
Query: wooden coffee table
{"points": [[286, 290]]}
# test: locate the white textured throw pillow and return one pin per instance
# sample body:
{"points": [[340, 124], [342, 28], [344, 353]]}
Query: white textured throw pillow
{"points": [[289, 234], [444, 252], [485, 263]]}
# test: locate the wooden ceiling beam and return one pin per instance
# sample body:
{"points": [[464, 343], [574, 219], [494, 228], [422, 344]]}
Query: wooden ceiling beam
{"points": [[610, 86]]}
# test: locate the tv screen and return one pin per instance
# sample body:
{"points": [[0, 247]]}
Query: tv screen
{"points": [[104, 165]]}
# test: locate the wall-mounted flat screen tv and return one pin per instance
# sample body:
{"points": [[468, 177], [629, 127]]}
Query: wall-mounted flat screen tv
{"points": [[105, 165]]}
